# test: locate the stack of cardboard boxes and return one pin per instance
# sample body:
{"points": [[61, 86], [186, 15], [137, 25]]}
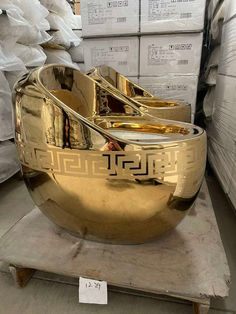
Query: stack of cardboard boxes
{"points": [[155, 42], [222, 127]]}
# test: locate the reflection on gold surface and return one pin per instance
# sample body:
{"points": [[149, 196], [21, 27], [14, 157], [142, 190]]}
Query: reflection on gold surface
{"points": [[117, 83], [97, 165]]}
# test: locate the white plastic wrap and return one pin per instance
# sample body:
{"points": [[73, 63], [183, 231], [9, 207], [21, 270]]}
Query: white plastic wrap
{"points": [[214, 58], [181, 88], [60, 7], [232, 186], [76, 22], [101, 17], [58, 40], [223, 162], [173, 54], [31, 56], [212, 67], [6, 128], [57, 23], [230, 10], [223, 127], [227, 65], [209, 102], [63, 9], [60, 57], [33, 12], [14, 27], [9, 162], [13, 76], [9, 61], [163, 16], [77, 53], [217, 22], [121, 53], [212, 8], [211, 76], [81, 67]]}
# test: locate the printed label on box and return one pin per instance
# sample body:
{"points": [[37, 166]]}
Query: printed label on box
{"points": [[100, 13], [161, 55], [117, 54], [170, 9]]}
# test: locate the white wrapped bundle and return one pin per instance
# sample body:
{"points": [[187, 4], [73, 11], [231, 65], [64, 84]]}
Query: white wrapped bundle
{"points": [[81, 67], [76, 22], [33, 12], [223, 161], [8, 60], [63, 9], [9, 162], [6, 128], [77, 53], [217, 23], [57, 23], [31, 56], [13, 76], [209, 102], [211, 76], [59, 57], [59, 38], [222, 127], [60, 7], [14, 27]]}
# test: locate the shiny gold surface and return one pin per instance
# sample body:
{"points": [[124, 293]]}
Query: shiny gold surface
{"points": [[145, 101], [97, 165]]}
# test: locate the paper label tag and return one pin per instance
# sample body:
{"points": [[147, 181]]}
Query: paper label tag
{"points": [[92, 291]]}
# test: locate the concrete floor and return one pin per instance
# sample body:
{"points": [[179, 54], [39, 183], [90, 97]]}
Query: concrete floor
{"points": [[51, 294]]}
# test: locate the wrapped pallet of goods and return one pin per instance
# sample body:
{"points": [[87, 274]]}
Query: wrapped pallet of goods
{"points": [[221, 127], [23, 28], [63, 31], [170, 41]]}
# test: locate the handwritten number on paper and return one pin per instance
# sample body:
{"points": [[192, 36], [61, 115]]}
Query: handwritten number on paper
{"points": [[92, 291]]}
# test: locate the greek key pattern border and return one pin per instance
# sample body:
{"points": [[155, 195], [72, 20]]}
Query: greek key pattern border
{"points": [[143, 164]]}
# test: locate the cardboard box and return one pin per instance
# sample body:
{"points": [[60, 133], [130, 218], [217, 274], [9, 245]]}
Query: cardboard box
{"points": [[121, 53], [158, 16], [180, 88], [133, 79], [172, 54], [110, 17], [227, 64]]}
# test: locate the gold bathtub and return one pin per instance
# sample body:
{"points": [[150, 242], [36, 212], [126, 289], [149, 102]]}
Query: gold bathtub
{"points": [[145, 101], [121, 177]]}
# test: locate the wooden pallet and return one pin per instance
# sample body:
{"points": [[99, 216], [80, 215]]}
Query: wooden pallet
{"points": [[188, 263]]}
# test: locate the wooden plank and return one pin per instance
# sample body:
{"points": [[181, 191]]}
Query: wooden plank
{"points": [[77, 7], [21, 275], [200, 308], [188, 262]]}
